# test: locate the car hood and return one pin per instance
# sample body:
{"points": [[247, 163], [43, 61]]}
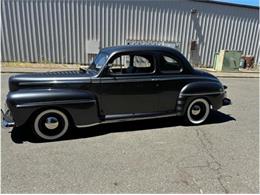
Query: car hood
{"points": [[48, 79]]}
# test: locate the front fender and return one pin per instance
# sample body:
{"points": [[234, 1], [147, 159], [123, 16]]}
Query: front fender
{"points": [[79, 104]]}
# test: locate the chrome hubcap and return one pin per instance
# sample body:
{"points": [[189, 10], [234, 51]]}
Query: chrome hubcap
{"points": [[51, 123], [195, 110]]}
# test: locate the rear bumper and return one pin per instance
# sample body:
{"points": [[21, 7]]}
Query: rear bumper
{"points": [[226, 102], [7, 119]]}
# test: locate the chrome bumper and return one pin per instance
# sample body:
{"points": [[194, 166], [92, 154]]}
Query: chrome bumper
{"points": [[226, 101], [7, 119]]}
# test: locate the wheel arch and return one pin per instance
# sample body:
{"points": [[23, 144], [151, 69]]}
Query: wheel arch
{"points": [[59, 124], [41, 109]]}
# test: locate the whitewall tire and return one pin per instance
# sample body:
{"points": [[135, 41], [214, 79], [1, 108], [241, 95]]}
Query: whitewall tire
{"points": [[50, 124], [198, 111]]}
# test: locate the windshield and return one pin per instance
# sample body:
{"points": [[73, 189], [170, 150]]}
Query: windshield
{"points": [[99, 62]]}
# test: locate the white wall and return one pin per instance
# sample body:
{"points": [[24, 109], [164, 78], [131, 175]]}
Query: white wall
{"points": [[58, 30]]}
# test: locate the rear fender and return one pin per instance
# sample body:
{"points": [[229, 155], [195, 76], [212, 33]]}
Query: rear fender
{"points": [[213, 92]]}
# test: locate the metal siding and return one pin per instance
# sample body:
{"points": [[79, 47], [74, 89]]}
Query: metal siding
{"points": [[57, 30]]}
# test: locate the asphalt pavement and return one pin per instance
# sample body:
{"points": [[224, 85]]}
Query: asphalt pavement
{"points": [[149, 156]]}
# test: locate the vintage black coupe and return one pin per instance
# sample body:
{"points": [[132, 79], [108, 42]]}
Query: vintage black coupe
{"points": [[123, 83]]}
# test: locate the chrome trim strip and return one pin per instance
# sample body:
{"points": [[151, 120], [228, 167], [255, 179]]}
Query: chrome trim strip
{"points": [[131, 80], [206, 93], [90, 125], [118, 79], [55, 82], [127, 119], [55, 103]]}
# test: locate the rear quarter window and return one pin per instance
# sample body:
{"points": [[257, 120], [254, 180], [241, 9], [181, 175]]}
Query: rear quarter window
{"points": [[170, 64]]}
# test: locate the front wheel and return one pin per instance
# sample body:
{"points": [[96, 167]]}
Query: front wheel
{"points": [[50, 124], [198, 111]]}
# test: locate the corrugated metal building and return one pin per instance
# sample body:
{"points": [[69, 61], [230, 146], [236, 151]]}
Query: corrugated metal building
{"points": [[65, 31]]}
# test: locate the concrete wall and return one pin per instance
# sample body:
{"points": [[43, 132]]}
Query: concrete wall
{"points": [[58, 30]]}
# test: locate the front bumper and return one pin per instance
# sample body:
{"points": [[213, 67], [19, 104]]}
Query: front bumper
{"points": [[7, 119]]}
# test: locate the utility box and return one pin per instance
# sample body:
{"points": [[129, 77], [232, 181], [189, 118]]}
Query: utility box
{"points": [[227, 61]]}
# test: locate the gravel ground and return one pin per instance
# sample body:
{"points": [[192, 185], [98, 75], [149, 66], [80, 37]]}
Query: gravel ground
{"points": [[150, 156]]}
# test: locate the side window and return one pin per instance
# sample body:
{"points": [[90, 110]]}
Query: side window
{"points": [[143, 64], [131, 64], [120, 64], [169, 64]]}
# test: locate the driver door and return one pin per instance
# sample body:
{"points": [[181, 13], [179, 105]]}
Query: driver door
{"points": [[129, 85]]}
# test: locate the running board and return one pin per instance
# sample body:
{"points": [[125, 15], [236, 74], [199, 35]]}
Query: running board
{"points": [[138, 116], [131, 117]]}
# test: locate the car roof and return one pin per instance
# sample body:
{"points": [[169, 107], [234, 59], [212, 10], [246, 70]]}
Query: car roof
{"points": [[129, 48], [132, 48], [111, 51]]}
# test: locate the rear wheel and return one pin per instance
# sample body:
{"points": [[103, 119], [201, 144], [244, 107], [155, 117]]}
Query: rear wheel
{"points": [[198, 111], [50, 124]]}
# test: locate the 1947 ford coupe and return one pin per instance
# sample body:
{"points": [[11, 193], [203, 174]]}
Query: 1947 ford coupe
{"points": [[123, 83]]}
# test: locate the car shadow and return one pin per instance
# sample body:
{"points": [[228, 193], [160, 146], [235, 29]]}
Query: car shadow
{"points": [[22, 134]]}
